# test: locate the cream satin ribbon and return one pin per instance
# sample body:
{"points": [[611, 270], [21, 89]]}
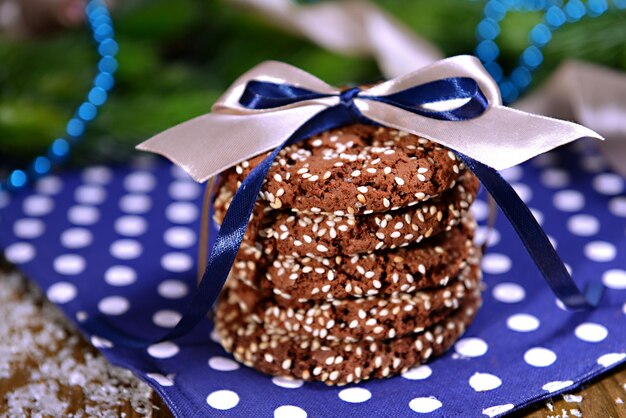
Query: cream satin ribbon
{"points": [[501, 137], [592, 95]]}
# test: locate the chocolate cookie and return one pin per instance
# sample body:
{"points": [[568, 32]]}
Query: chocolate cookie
{"points": [[329, 235], [277, 352], [351, 320], [430, 263], [354, 169]]}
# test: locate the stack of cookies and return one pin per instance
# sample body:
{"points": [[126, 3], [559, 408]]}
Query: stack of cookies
{"points": [[358, 261]]}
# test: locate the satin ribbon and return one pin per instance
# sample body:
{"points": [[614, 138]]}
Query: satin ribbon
{"points": [[453, 102]]}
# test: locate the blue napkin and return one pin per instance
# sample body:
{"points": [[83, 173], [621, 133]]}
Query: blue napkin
{"points": [[121, 242]]}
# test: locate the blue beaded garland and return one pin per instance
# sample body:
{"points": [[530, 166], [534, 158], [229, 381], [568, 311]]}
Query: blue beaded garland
{"points": [[555, 15], [103, 33]]}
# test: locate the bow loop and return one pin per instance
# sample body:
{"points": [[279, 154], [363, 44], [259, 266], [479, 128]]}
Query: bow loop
{"points": [[267, 95]]}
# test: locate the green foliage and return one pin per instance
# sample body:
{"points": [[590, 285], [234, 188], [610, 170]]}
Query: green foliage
{"points": [[177, 57]]}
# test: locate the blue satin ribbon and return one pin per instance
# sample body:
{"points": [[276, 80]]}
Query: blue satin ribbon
{"points": [[266, 95]]}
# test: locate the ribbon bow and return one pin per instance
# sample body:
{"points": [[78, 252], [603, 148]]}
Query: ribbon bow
{"points": [[453, 102]]}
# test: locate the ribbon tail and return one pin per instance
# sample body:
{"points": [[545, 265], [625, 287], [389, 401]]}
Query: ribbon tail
{"points": [[211, 143], [535, 240], [481, 138]]}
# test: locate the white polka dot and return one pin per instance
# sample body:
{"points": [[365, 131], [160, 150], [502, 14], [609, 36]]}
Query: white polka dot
{"points": [[554, 178], [69, 264], [49, 185], [28, 228], [100, 342], [523, 191], [176, 262], [165, 349], [600, 251], [223, 399], [614, 279], [37, 205], [81, 316], [560, 305], [425, 405], [179, 237], [135, 203], [289, 411], [617, 206], [223, 364], [508, 292], [61, 292], [496, 410], [552, 241], [608, 184], [480, 209], [184, 190], [583, 225], [591, 332], [538, 215], [90, 194], [166, 318], [483, 233], [483, 382], [160, 379], [539, 357], [181, 212], [139, 182], [355, 395], [83, 215], [610, 359], [179, 173], [522, 322], [120, 276], [76, 238], [172, 289], [568, 200], [126, 249], [418, 373], [5, 199], [471, 347], [20, 252], [114, 305], [287, 382], [130, 225], [495, 263], [557, 385], [511, 174], [97, 175], [215, 337]]}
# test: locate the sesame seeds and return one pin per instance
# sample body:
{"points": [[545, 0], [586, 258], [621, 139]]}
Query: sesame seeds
{"points": [[399, 181]]}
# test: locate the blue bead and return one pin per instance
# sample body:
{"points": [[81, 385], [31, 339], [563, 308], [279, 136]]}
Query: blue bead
{"points": [[87, 112], [102, 33], [540, 34], [59, 148], [107, 65], [597, 7], [620, 4], [495, 10], [105, 81], [18, 179], [555, 17], [102, 20], [575, 10], [108, 47], [97, 96], [509, 91], [487, 50], [521, 77], [75, 127], [488, 29], [494, 69], [532, 56], [42, 165]]}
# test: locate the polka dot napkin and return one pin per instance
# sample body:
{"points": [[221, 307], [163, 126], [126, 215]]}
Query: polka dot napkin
{"points": [[121, 243]]}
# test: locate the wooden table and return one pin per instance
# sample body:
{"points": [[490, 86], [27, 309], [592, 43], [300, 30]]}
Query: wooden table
{"points": [[601, 399]]}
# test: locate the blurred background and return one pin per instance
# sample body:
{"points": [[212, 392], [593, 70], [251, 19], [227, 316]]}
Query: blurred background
{"points": [[177, 57]]}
